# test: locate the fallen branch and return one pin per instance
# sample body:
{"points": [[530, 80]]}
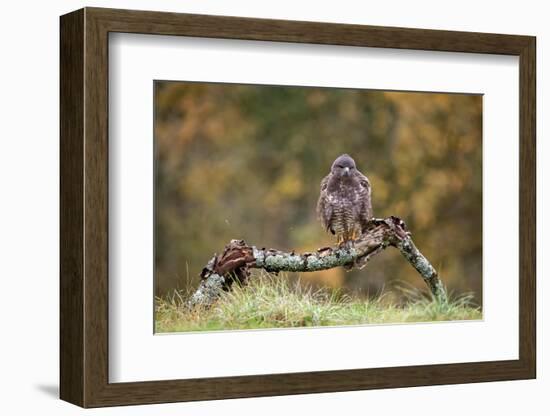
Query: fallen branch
{"points": [[234, 264]]}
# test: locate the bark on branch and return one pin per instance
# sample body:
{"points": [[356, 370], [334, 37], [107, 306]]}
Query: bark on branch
{"points": [[234, 264]]}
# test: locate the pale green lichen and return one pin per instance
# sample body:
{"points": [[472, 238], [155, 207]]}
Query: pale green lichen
{"points": [[424, 267], [259, 255], [314, 263], [275, 262], [295, 263], [336, 258], [208, 290]]}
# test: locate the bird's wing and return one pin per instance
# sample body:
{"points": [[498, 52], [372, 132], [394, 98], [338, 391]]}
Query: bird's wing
{"points": [[324, 208], [365, 205]]}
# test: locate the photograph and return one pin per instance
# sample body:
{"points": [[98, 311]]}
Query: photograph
{"points": [[297, 206]]}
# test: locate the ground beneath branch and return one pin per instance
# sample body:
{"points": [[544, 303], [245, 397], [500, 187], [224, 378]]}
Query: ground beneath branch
{"points": [[276, 302]]}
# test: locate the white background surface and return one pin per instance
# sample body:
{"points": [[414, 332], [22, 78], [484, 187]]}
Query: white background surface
{"points": [[29, 210], [136, 355]]}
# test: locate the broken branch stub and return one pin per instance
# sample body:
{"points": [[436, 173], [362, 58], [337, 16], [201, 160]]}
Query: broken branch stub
{"points": [[234, 264]]}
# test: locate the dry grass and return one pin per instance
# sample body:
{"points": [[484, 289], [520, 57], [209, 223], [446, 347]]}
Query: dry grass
{"points": [[275, 302]]}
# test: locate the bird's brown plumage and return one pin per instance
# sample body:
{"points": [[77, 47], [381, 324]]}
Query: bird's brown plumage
{"points": [[344, 205]]}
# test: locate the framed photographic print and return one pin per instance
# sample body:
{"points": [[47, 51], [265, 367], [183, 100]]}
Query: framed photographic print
{"points": [[255, 207]]}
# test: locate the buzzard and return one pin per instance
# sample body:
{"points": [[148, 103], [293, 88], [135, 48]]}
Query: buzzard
{"points": [[344, 207]]}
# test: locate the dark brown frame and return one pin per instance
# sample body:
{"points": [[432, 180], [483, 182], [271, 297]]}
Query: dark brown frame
{"points": [[84, 208]]}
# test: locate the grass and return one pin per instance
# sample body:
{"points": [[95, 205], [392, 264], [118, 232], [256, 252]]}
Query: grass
{"points": [[275, 302]]}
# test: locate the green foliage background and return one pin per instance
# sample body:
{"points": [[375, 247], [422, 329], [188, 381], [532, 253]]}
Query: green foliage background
{"points": [[245, 161]]}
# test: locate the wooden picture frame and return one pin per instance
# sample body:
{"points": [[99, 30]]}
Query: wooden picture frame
{"points": [[84, 207]]}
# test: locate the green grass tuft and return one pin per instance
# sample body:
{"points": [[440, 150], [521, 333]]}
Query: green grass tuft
{"points": [[275, 302]]}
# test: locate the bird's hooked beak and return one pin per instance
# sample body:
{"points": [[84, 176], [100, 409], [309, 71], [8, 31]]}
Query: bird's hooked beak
{"points": [[346, 171]]}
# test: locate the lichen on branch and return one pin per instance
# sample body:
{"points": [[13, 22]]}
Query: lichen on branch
{"points": [[234, 264]]}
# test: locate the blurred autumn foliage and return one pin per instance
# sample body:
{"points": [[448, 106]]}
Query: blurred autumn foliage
{"points": [[245, 162]]}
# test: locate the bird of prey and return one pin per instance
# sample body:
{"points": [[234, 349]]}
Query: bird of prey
{"points": [[344, 207]]}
